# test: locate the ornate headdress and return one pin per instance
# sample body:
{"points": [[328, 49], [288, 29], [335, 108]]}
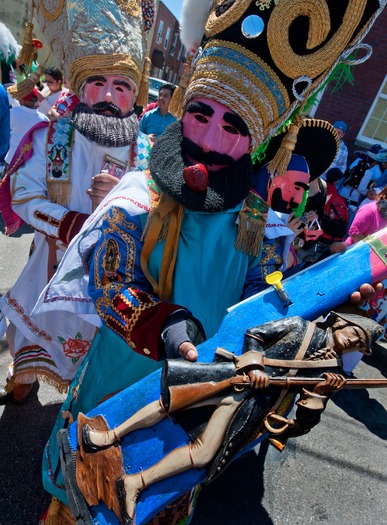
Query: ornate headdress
{"points": [[263, 58], [9, 48], [105, 37]]}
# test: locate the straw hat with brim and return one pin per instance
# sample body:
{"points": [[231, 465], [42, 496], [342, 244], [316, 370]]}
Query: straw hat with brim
{"points": [[314, 136], [379, 157], [375, 148], [20, 90]]}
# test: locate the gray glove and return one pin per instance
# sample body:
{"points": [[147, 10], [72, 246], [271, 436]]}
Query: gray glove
{"points": [[179, 327]]}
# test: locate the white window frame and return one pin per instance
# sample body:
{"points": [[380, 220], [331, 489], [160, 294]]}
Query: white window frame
{"points": [[159, 38], [167, 36], [364, 140], [173, 45]]}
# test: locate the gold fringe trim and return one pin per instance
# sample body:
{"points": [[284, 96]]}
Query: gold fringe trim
{"points": [[176, 104], [58, 514], [280, 162], [27, 51], [164, 224], [59, 191], [42, 375], [24, 88], [114, 64], [142, 98], [250, 234]]}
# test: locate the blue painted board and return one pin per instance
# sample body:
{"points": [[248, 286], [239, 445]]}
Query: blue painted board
{"points": [[314, 292]]}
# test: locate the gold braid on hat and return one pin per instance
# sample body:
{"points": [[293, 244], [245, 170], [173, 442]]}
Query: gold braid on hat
{"points": [[115, 64]]}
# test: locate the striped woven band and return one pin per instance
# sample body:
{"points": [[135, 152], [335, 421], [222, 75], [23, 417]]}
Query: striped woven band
{"points": [[232, 75], [115, 64]]}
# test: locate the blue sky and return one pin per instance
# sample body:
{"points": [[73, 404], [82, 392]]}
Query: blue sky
{"points": [[174, 6]]}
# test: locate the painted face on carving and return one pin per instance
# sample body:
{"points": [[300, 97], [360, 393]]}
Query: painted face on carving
{"points": [[110, 95], [213, 134], [287, 192], [349, 338]]}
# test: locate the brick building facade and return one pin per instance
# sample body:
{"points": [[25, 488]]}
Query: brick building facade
{"points": [[363, 106], [166, 50]]}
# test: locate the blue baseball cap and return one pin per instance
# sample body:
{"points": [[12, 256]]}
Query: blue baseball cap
{"points": [[340, 124]]}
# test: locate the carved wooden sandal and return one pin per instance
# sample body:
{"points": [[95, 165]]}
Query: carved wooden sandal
{"points": [[126, 519], [89, 446]]}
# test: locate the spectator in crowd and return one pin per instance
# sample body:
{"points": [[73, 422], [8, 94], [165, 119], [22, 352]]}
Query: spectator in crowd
{"points": [[369, 219], [52, 90], [349, 187], [23, 117], [374, 175], [154, 122], [149, 107], [342, 155], [19, 70], [372, 195], [335, 218], [65, 103]]}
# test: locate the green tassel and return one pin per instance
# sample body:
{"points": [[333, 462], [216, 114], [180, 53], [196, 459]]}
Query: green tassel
{"points": [[298, 212], [260, 153]]}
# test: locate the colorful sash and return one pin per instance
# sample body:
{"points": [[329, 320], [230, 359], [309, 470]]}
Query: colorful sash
{"points": [[23, 153]]}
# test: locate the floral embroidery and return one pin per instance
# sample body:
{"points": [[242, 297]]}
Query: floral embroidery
{"points": [[75, 348]]}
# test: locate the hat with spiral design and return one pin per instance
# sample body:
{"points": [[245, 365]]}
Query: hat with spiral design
{"points": [[262, 58]]}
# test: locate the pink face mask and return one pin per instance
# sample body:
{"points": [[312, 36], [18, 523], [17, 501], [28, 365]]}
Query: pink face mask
{"points": [[213, 127], [287, 192], [115, 89]]}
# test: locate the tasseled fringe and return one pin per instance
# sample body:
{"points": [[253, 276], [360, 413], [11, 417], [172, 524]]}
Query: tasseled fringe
{"points": [[22, 89], [251, 231], [142, 99], [58, 514], [147, 223], [27, 51], [176, 104], [280, 162], [59, 191], [164, 230], [54, 380]]}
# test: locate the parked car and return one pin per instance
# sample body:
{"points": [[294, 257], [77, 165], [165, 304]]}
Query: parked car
{"points": [[154, 86]]}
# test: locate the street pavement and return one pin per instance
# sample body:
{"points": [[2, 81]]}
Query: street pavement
{"points": [[336, 475]]}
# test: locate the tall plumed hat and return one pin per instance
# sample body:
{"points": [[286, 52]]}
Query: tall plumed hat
{"points": [[105, 37], [262, 58]]}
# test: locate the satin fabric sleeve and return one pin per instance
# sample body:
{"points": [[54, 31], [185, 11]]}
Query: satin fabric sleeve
{"points": [[122, 295]]}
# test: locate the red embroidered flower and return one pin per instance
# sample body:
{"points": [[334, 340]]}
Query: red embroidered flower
{"points": [[75, 348]]}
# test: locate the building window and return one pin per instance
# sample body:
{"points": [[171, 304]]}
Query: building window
{"points": [[374, 128], [180, 50], [167, 36], [160, 32], [173, 46]]}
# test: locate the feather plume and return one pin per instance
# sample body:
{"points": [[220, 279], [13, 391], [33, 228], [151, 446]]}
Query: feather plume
{"points": [[194, 15], [9, 48]]}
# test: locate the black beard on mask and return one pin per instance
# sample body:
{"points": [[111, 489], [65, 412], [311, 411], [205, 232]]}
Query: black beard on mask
{"points": [[227, 187], [279, 204], [105, 130]]}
